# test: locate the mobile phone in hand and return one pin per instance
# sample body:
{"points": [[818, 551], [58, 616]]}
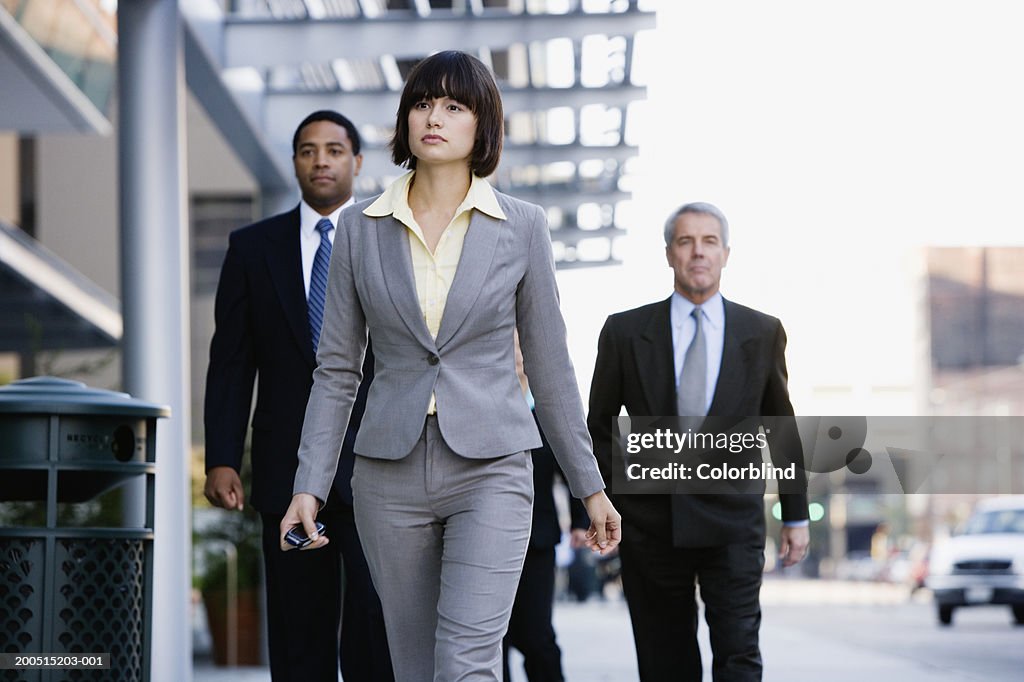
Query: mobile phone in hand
{"points": [[297, 535]]}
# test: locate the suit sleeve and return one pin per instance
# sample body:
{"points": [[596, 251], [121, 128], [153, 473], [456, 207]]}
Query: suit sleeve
{"points": [[605, 397], [343, 340], [784, 444], [578, 517], [232, 368], [542, 335]]}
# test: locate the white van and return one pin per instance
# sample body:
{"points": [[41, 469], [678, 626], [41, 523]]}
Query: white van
{"points": [[984, 562]]}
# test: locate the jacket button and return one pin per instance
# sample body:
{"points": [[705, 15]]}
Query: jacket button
{"points": [[433, 359]]}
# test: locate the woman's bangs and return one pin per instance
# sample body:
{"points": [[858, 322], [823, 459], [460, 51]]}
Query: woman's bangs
{"points": [[444, 78]]}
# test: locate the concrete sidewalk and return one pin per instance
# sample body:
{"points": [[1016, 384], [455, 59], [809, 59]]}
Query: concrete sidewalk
{"points": [[595, 637], [597, 641]]}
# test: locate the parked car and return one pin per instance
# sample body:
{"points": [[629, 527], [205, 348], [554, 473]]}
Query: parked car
{"points": [[984, 563]]}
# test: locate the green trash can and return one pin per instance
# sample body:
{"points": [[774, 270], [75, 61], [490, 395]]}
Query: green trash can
{"points": [[76, 541]]}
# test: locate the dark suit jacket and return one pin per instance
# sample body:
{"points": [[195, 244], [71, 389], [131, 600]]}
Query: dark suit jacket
{"points": [[262, 335], [635, 369]]}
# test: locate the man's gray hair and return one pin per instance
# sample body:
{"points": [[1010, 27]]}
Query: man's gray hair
{"points": [[697, 207]]}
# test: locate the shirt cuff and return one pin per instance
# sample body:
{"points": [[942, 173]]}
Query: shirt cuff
{"points": [[796, 524]]}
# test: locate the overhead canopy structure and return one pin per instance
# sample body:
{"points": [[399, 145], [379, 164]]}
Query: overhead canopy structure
{"points": [[47, 304], [565, 68]]}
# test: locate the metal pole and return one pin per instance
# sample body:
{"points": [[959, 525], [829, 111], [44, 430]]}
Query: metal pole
{"points": [[154, 292]]}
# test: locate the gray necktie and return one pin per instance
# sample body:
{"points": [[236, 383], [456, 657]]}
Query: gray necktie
{"points": [[691, 396]]}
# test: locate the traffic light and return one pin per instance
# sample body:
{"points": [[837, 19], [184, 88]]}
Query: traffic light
{"points": [[815, 511]]}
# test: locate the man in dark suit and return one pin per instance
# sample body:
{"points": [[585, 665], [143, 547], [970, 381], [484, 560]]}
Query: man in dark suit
{"points": [[268, 314], [694, 354]]}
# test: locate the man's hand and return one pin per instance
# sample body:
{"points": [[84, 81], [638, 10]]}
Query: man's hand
{"points": [[793, 544], [605, 523], [303, 511], [224, 488]]}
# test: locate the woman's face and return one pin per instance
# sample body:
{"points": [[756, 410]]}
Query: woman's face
{"points": [[441, 130]]}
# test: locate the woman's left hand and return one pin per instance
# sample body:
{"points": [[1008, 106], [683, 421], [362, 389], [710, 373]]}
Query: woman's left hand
{"points": [[605, 523]]}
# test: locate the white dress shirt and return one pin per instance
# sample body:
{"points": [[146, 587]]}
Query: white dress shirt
{"points": [[683, 329], [309, 238]]}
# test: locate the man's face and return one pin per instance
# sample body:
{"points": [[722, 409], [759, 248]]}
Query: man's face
{"points": [[325, 165], [697, 256]]}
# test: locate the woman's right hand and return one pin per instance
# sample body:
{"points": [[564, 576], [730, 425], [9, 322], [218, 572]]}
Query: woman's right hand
{"points": [[605, 523], [302, 511]]}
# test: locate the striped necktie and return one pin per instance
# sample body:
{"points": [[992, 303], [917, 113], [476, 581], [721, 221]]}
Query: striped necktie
{"points": [[318, 281]]}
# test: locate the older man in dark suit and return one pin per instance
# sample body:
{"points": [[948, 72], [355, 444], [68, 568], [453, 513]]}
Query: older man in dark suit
{"points": [[269, 310], [694, 354]]}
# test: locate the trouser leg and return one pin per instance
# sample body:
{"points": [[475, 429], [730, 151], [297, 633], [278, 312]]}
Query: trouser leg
{"points": [[364, 645], [730, 586], [658, 582], [402, 542], [444, 538]]}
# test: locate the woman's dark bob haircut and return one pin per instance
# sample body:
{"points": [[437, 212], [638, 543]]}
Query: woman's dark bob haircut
{"points": [[465, 79]]}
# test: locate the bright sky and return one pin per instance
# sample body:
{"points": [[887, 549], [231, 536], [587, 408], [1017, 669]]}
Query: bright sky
{"points": [[838, 137], [911, 109]]}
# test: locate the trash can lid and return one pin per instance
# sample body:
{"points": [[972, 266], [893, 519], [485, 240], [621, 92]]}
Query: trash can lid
{"points": [[50, 395]]}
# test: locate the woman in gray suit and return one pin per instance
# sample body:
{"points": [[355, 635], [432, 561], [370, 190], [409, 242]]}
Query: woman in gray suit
{"points": [[440, 269]]}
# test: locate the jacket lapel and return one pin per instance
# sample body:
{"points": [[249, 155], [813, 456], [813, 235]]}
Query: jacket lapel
{"points": [[734, 362], [396, 264], [284, 261], [654, 361], [474, 264]]}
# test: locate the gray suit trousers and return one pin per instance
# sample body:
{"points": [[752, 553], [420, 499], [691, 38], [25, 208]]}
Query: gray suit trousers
{"points": [[445, 537]]}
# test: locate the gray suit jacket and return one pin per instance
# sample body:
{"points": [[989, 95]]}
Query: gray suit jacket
{"points": [[505, 279]]}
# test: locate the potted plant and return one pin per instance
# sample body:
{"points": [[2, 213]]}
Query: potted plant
{"points": [[228, 575]]}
